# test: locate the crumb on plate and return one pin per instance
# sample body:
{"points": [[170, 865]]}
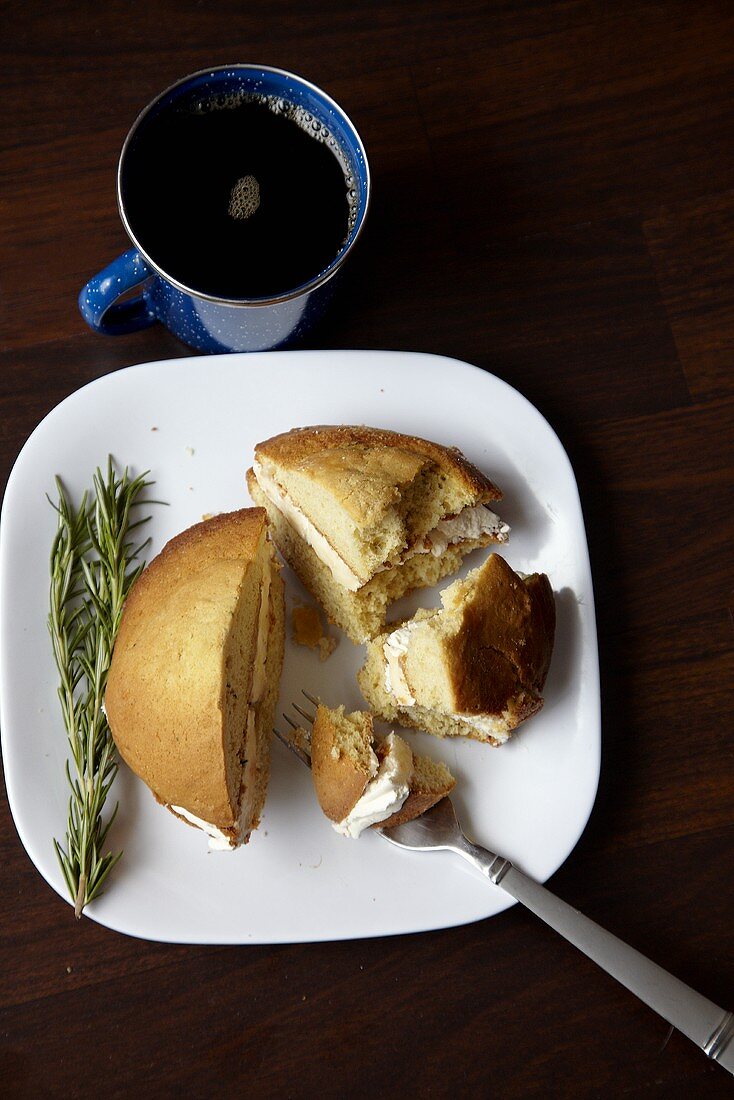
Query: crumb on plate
{"points": [[308, 630]]}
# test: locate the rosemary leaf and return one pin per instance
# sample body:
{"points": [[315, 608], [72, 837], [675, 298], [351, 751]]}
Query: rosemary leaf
{"points": [[93, 567]]}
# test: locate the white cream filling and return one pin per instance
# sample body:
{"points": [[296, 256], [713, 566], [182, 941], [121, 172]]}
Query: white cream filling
{"points": [[484, 724], [397, 686], [394, 650], [385, 793], [323, 549], [219, 841], [472, 523]]}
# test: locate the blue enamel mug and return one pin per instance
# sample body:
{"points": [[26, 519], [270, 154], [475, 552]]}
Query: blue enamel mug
{"points": [[205, 322]]}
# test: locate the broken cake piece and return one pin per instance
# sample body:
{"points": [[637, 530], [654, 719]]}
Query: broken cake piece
{"points": [[475, 667], [361, 780], [364, 515]]}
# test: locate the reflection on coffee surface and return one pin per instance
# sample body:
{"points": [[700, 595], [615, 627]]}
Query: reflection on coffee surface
{"points": [[238, 196]]}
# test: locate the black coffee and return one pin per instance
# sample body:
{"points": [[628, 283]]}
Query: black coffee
{"points": [[238, 196]]}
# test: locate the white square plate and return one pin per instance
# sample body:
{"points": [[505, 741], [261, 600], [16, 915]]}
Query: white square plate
{"points": [[194, 423]]}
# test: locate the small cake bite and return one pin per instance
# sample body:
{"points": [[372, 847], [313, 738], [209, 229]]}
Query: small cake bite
{"points": [[473, 668], [364, 515], [362, 781], [307, 630], [195, 674]]}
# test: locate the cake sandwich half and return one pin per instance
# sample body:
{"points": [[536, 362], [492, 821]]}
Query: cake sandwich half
{"points": [[475, 667], [195, 674], [364, 515], [362, 780]]}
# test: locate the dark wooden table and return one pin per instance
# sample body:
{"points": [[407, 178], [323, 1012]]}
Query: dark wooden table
{"points": [[554, 201]]}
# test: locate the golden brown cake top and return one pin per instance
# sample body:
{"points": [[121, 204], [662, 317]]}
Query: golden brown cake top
{"points": [[504, 640], [368, 465], [164, 695]]}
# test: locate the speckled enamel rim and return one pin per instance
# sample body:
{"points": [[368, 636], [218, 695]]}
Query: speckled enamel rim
{"points": [[304, 288]]}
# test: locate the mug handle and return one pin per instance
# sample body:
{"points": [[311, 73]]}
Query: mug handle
{"points": [[97, 299]]}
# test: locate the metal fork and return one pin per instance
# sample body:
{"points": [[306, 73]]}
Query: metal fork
{"points": [[708, 1025]]}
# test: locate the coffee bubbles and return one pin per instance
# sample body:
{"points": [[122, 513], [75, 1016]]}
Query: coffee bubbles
{"points": [[302, 118], [240, 195], [245, 198]]}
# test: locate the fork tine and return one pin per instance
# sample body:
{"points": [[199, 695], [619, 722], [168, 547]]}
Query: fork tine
{"points": [[308, 717], [301, 750], [294, 748]]}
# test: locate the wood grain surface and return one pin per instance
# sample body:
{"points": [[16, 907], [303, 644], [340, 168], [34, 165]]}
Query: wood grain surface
{"points": [[553, 201]]}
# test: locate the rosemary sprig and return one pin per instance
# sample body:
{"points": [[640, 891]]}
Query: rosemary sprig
{"points": [[93, 566]]}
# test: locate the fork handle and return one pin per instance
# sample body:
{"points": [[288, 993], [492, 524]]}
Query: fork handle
{"points": [[708, 1025]]}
